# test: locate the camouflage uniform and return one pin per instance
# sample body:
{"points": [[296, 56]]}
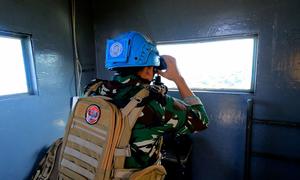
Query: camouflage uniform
{"points": [[160, 115]]}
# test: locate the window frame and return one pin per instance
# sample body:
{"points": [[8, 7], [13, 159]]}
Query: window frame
{"points": [[29, 63], [255, 38]]}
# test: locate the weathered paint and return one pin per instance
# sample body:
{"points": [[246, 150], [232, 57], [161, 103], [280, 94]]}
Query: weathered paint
{"points": [[219, 151], [30, 123]]}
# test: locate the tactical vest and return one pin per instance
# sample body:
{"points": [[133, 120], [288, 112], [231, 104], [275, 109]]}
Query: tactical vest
{"points": [[96, 141]]}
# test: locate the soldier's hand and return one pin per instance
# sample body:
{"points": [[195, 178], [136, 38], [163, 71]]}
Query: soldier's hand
{"points": [[172, 73]]}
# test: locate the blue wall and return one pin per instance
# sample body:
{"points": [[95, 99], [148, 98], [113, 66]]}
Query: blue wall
{"points": [[219, 150], [30, 123]]}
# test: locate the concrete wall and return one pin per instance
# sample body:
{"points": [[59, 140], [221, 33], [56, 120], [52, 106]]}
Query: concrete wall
{"points": [[30, 123], [219, 151]]}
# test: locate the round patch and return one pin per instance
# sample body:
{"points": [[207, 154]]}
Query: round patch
{"points": [[92, 114], [116, 49]]}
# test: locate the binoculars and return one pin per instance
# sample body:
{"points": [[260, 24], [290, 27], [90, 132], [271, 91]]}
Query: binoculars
{"points": [[162, 65]]}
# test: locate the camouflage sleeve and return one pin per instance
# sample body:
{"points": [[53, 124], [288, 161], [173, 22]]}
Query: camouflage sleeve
{"points": [[190, 114]]}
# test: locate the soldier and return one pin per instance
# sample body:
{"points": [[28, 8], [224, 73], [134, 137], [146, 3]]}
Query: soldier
{"points": [[136, 61]]}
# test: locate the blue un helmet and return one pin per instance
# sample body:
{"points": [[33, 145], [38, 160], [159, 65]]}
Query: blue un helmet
{"points": [[132, 49]]}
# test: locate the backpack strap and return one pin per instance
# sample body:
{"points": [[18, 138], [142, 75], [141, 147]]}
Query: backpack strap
{"points": [[131, 106], [92, 88], [130, 114]]}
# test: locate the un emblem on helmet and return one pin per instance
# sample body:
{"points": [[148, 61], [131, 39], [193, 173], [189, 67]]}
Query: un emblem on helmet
{"points": [[116, 49], [92, 114]]}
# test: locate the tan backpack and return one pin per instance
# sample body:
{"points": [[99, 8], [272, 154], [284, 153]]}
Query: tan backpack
{"points": [[96, 141]]}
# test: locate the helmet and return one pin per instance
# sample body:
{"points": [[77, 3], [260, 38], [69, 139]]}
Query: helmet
{"points": [[131, 49]]}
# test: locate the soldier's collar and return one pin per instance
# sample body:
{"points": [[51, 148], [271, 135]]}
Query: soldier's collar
{"points": [[130, 79]]}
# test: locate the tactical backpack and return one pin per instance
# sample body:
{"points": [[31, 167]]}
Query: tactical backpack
{"points": [[96, 142]]}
